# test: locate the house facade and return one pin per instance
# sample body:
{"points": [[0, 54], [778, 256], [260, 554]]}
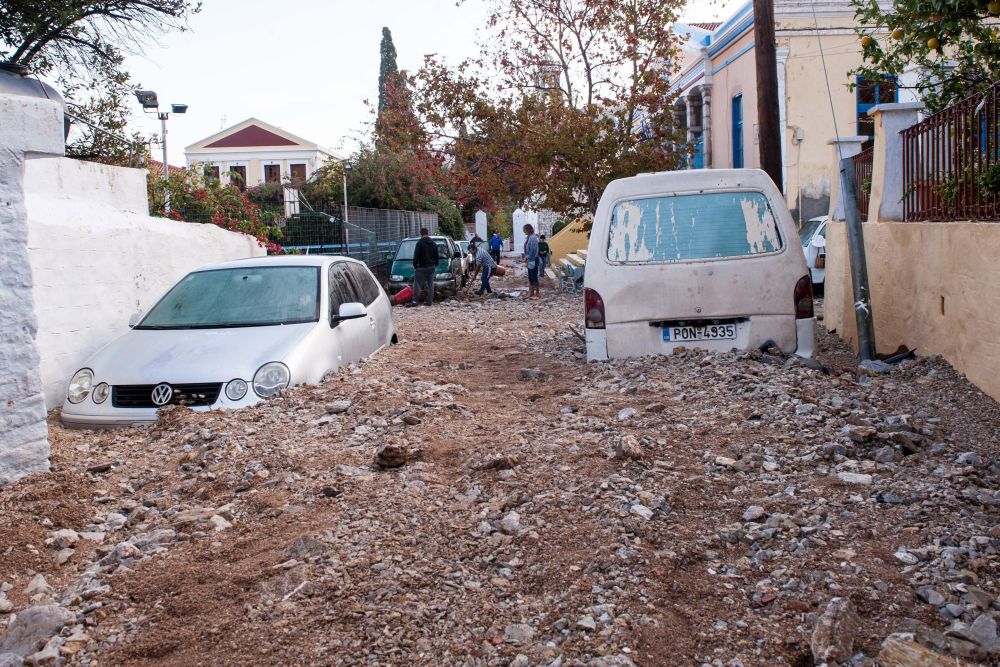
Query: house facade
{"points": [[717, 94], [254, 152]]}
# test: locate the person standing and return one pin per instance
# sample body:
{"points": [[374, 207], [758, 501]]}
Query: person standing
{"points": [[496, 244], [485, 262], [425, 260], [532, 260], [543, 252]]}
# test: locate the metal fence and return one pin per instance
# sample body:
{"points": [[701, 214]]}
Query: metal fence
{"points": [[951, 162], [863, 162], [367, 234]]}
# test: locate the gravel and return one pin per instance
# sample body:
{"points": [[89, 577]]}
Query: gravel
{"points": [[714, 509]]}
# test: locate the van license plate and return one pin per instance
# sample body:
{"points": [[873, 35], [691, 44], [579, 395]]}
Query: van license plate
{"points": [[707, 332]]}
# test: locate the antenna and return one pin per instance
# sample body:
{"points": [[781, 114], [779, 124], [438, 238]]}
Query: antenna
{"points": [[222, 122]]}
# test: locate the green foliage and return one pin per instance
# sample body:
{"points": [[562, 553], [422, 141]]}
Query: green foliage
{"points": [[989, 180], [560, 225], [449, 216], [388, 70], [954, 43]]}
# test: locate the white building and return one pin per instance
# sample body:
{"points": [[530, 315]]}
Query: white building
{"points": [[254, 152]]}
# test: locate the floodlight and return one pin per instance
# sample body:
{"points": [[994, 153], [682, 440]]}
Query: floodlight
{"points": [[179, 108], [147, 98]]}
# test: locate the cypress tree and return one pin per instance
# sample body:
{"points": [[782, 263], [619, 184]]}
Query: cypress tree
{"points": [[387, 69]]}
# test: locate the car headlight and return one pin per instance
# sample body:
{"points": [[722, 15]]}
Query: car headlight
{"points": [[236, 389], [396, 278], [442, 276], [271, 378], [79, 386], [100, 393]]}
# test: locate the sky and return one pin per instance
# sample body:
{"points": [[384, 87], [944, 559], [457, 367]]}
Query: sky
{"points": [[307, 66]]}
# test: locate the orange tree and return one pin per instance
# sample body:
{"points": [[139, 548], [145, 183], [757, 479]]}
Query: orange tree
{"points": [[954, 45]]}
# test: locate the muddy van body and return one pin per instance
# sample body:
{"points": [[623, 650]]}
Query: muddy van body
{"points": [[705, 258]]}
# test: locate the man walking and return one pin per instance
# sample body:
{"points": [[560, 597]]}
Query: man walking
{"points": [[496, 243], [485, 262], [425, 260]]}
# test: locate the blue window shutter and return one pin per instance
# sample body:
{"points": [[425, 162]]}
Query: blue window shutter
{"points": [[737, 132]]}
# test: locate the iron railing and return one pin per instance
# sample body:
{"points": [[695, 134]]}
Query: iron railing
{"points": [[863, 178], [951, 162]]}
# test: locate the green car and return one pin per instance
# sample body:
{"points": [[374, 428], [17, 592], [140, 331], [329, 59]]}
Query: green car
{"points": [[449, 269]]}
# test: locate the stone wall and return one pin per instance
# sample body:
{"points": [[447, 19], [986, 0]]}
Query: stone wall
{"points": [[934, 289], [28, 126], [97, 258]]}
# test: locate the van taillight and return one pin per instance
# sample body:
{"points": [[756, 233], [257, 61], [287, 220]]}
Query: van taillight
{"points": [[804, 298], [593, 309]]}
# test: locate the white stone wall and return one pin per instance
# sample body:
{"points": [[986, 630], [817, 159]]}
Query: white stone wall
{"points": [[97, 258], [27, 126]]}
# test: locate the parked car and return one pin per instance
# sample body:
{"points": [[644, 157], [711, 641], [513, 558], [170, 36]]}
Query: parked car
{"points": [[449, 269], [699, 258], [229, 335], [813, 235]]}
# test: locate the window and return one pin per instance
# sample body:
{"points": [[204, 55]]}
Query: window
{"points": [[211, 173], [238, 176], [738, 132], [298, 173], [244, 297], [272, 173], [869, 93], [680, 228], [364, 284], [341, 289]]}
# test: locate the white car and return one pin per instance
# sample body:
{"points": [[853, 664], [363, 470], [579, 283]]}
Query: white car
{"points": [[704, 258], [813, 235], [230, 335]]}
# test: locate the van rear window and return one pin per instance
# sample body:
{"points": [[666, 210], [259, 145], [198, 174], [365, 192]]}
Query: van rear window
{"points": [[694, 226]]}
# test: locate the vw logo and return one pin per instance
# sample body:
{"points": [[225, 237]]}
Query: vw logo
{"points": [[162, 393]]}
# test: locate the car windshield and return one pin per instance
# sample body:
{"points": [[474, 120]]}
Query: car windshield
{"points": [[679, 228], [809, 228], [405, 251], [246, 297]]}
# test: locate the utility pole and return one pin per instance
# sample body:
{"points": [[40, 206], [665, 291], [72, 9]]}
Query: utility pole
{"points": [[768, 119], [859, 263]]}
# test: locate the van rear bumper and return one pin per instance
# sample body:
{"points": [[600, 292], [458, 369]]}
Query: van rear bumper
{"points": [[637, 339]]}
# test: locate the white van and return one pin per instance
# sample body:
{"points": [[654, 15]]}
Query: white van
{"points": [[706, 258]]}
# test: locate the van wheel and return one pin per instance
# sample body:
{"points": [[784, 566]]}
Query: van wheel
{"points": [[394, 340]]}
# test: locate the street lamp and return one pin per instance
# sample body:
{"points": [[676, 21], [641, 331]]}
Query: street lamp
{"points": [[149, 102], [347, 168]]}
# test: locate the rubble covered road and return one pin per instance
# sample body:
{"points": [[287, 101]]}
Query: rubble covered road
{"points": [[479, 495]]}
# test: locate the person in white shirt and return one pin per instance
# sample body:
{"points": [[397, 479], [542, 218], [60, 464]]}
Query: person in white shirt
{"points": [[484, 261]]}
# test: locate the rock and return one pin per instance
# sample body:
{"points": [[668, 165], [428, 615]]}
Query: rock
{"points": [[63, 555], [390, 456], [10, 660], [220, 523], [874, 367], [329, 492], [529, 374], [411, 420], [626, 447], [511, 523], [754, 513], [49, 655], [887, 454], [860, 479], [33, 626], [5, 605], [586, 623], [100, 468], [338, 407], [65, 538], [899, 650], [613, 661], [37, 586], [931, 596], [518, 633], [725, 462], [641, 511], [983, 631], [627, 413], [968, 459], [833, 636], [504, 462], [905, 557]]}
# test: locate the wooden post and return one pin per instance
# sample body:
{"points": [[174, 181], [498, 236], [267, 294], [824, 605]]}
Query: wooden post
{"points": [[769, 123]]}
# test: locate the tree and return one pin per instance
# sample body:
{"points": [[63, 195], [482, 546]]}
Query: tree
{"points": [[387, 70], [81, 45], [953, 44], [583, 98]]}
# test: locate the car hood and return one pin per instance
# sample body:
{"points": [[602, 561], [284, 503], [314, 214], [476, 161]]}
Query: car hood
{"points": [[148, 356]]}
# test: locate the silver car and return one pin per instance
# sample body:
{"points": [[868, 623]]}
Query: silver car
{"points": [[813, 235], [229, 335]]}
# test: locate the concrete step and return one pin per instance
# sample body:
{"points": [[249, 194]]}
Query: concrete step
{"points": [[576, 259]]}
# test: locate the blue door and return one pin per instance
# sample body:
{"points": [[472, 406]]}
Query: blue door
{"points": [[737, 132], [698, 157]]}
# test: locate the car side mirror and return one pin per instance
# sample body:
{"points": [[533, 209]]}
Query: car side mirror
{"points": [[389, 256], [818, 242], [351, 311], [134, 319]]}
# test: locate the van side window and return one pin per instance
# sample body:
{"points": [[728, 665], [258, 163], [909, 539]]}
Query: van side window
{"points": [[681, 228]]}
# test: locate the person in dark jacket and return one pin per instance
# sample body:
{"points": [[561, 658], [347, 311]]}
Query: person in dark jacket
{"points": [[425, 260]]}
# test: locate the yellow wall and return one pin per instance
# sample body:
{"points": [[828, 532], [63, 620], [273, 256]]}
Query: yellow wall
{"points": [[934, 289], [807, 104], [738, 77], [570, 238]]}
